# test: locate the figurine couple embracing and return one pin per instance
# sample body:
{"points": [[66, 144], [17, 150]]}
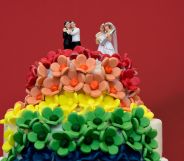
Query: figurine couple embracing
{"points": [[71, 35], [107, 39]]}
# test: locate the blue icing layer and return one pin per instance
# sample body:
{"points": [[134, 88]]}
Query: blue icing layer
{"points": [[125, 154]]}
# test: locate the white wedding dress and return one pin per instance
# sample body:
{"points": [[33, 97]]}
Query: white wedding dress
{"points": [[105, 46]]}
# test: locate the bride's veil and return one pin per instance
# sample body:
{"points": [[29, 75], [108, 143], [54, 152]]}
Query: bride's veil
{"points": [[114, 36]]}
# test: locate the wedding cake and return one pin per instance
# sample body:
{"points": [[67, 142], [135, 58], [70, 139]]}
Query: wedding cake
{"points": [[82, 105]]}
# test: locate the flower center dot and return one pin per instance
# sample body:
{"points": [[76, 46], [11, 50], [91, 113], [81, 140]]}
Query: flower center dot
{"points": [[64, 143], [76, 127], [74, 82], [118, 120], [94, 85], [83, 66], [108, 69], [147, 140], [97, 121], [54, 88], [109, 140], [42, 136], [53, 118], [62, 66], [88, 140]]}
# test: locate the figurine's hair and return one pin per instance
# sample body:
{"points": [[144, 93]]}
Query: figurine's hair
{"points": [[67, 22], [73, 22]]}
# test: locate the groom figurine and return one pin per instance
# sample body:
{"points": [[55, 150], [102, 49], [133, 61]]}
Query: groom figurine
{"points": [[75, 35]]}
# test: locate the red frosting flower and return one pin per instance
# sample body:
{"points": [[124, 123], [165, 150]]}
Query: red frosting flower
{"points": [[31, 77], [129, 80]]}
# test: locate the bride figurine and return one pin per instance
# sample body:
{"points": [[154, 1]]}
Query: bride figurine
{"points": [[107, 39]]}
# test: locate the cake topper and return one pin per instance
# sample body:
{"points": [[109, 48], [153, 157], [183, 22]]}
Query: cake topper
{"points": [[71, 35], [107, 39]]}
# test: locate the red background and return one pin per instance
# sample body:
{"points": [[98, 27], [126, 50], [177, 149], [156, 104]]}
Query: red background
{"points": [[151, 31]]}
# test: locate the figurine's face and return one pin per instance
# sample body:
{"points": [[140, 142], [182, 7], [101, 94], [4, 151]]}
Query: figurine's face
{"points": [[107, 28], [73, 24], [102, 29], [67, 25]]}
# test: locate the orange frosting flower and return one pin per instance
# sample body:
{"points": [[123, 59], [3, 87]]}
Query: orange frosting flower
{"points": [[34, 96], [116, 89], [51, 87], [110, 69], [83, 64], [42, 74], [60, 67], [73, 81], [95, 85]]}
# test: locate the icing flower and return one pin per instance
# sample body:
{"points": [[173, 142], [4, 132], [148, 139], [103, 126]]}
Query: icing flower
{"points": [[31, 77], [139, 122], [20, 139], [52, 117], [60, 67], [147, 112], [73, 81], [111, 139], [95, 85], [110, 69], [27, 117], [42, 74], [9, 141], [116, 89], [97, 119], [153, 155], [13, 113], [39, 135], [51, 86], [89, 141], [121, 119], [62, 143], [129, 80], [34, 96], [75, 125], [148, 140], [50, 101], [89, 103], [68, 102], [133, 139], [109, 103], [83, 64]]}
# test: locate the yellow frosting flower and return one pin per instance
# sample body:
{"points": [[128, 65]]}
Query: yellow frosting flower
{"points": [[50, 101], [109, 103], [147, 112], [68, 102], [12, 114], [9, 141]]}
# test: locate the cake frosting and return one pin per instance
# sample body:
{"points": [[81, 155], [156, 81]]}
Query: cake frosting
{"points": [[82, 105]]}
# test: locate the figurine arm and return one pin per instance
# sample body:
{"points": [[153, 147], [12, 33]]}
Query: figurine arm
{"points": [[75, 31]]}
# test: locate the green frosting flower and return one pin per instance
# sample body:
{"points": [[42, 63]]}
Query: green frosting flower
{"points": [[26, 119], [20, 139], [98, 118], [62, 143], [75, 125], [89, 141], [133, 139], [39, 135], [148, 140], [52, 117], [110, 140], [121, 119], [11, 155], [139, 122], [150, 156]]}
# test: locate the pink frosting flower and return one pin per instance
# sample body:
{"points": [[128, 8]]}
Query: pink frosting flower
{"points": [[73, 81], [110, 69], [83, 64], [95, 85], [42, 74], [34, 96], [116, 89], [51, 86], [60, 67]]}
